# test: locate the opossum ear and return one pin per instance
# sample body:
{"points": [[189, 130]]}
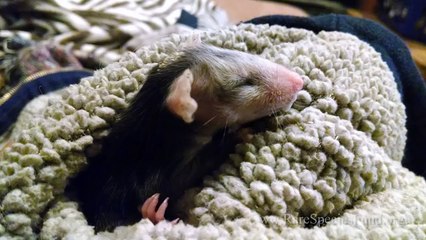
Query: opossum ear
{"points": [[179, 100]]}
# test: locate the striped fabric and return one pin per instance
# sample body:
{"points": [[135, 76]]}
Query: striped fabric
{"points": [[97, 32], [100, 28]]}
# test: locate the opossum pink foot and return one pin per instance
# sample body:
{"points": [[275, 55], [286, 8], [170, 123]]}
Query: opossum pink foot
{"points": [[149, 209]]}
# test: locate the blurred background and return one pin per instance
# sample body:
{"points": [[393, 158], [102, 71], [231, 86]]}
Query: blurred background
{"points": [[407, 18]]}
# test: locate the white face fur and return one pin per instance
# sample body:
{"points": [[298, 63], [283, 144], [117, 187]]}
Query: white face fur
{"points": [[227, 87]]}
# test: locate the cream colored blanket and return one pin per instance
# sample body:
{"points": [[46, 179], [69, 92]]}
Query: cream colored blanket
{"points": [[327, 169]]}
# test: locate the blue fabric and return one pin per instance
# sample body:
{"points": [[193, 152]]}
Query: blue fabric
{"points": [[10, 110], [394, 52], [188, 19], [408, 24]]}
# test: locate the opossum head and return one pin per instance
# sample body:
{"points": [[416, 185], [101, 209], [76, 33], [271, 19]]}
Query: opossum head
{"points": [[227, 87]]}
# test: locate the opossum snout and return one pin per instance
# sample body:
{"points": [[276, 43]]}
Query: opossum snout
{"points": [[285, 81]]}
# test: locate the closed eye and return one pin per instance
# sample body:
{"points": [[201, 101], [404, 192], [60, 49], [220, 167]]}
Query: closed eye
{"points": [[250, 81], [253, 79], [245, 82]]}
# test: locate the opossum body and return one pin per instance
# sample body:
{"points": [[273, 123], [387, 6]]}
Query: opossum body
{"points": [[155, 146]]}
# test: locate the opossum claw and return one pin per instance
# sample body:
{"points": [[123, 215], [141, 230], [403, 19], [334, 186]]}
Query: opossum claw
{"points": [[144, 208], [148, 209], [159, 215]]}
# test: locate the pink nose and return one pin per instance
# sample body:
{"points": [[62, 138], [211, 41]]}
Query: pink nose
{"points": [[289, 80], [297, 81]]}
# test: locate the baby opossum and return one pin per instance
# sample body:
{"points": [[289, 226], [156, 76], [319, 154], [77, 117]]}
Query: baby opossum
{"points": [[156, 144]]}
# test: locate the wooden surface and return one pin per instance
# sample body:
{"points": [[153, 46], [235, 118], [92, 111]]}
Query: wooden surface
{"points": [[243, 10]]}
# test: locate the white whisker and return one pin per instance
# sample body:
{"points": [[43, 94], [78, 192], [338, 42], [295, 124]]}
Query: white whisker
{"points": [[275, 114], [209, 121], [225, 129]]}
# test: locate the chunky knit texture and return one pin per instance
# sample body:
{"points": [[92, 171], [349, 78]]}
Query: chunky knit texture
{"points": [[332, 161]]}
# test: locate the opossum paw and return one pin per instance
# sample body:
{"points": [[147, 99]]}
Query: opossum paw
{"points": [[149, 210]]}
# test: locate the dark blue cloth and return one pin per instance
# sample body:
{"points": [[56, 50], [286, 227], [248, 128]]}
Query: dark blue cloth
{"points": [[408, 17], [188, 19], [10, 110], [394, 52]]}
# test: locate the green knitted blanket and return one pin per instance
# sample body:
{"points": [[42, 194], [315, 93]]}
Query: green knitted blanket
{"points": [[329, 168]]}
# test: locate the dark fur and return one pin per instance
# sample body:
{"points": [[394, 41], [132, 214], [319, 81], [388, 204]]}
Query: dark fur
{"points": [[140, 157]]}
